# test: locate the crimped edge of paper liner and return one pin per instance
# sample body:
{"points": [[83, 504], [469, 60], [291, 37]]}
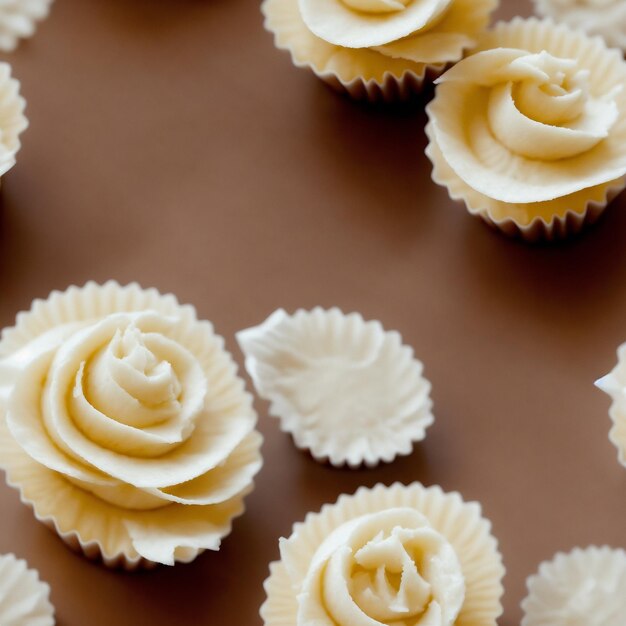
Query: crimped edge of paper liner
{"points": [[560, 561], [288, 422], [538, 229], [392, 88], [95, 551], [477, 550], [38, 587], [92, 301]]}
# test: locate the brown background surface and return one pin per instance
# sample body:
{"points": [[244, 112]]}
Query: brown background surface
{"points": [[170, 143]]}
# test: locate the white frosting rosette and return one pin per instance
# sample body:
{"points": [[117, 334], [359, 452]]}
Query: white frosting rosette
{"points": [[411, 556], [582, 588], [346, 389], [530, 131], [606, 18], [124, 424], [24, 599], [614, 384], [376, 49], [18, 19]]}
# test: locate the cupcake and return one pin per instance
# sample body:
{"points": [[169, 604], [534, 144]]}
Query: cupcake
{"points": [[346, 389], [24, 599], [606, 18], [582, 588], [124, 425], [388, 555], [18, 19], [614, 384], [12, 119], [376, 49], [530, 131]]}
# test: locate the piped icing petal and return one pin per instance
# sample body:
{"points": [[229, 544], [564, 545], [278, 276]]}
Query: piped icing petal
{"points": [[606, 18], [128, 398], [18, 19], [586, 587], [399, 554], [344, 388], [24, 599]]}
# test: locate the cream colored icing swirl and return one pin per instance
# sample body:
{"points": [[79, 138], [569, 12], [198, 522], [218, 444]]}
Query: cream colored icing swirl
{"points": [[120, 407], [373, 23], [527, 127], [540, 107], [388, 567]]}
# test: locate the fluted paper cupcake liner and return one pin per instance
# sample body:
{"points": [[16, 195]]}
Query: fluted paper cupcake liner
{"points": [[372, 76], [568, 214], [586, 586], [459, 522], [121, 537], [347, 390], [24, 598]]}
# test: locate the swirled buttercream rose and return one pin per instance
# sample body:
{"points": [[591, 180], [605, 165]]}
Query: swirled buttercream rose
{"points": [[381, 568], [379, 558], [141, 409], [360, 44], [606, 18], [534, 132]]}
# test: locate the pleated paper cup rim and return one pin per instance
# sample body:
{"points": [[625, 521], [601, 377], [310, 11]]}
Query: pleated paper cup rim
{"points": [[610, 385], [557, 226], [476, 548], [355, 448], [48, 493], [390, 88], [32, 597], [556, 575]]}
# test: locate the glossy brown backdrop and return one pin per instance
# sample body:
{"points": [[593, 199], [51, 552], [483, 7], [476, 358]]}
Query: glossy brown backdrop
{"points": [[170, 143]]}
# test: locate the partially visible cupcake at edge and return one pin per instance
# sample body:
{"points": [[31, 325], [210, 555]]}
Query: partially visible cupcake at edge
{"points": [[530, 130], [377, 49], [388, 555], [124, 424], [606, 18]]}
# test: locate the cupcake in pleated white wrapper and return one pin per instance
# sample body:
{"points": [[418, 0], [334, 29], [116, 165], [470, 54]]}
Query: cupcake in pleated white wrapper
{"points": [[24, 599], [388, 555], [18, 20], [530, 130], [347, 390], [606, 18], [377, 50], [124, 425], [614, 384], [583, 588]]}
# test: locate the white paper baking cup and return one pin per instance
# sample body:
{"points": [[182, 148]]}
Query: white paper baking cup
{"points": [[345, 389], [585, 587], [118, 536], [24, 599], [461, 523]]}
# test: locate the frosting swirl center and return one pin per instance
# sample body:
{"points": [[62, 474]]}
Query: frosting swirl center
{"points": [[381, 568], [540, 107]]}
